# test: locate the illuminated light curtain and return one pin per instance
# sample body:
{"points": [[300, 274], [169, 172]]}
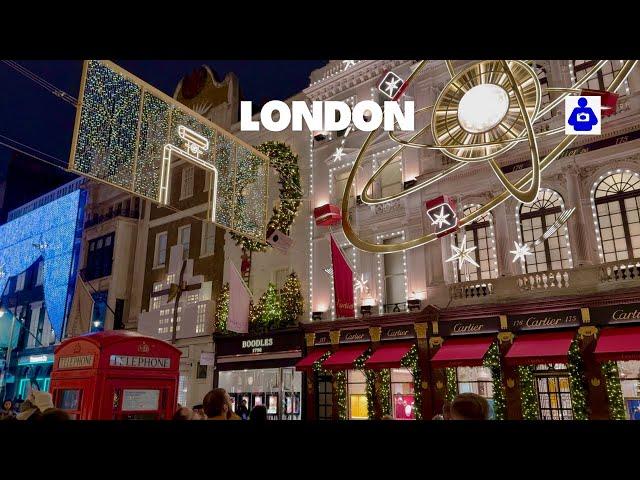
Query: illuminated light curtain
{"points": [[617, 206], [535, 218], [53, 226], [479, 234]]}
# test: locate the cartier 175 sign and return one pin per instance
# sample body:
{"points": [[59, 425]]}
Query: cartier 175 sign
{"points": [[536, 321]]}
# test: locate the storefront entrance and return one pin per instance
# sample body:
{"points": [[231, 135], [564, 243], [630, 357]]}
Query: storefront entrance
{"points": [[553, 391]]}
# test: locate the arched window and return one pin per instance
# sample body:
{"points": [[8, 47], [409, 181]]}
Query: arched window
{"points": [[479, 234], [535, 218], [603, 77], [616, 204]]}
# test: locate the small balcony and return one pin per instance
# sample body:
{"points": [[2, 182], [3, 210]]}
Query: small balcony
{"points": [[97, 219]]}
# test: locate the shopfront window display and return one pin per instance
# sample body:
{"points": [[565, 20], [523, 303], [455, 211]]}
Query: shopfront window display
{"points": [[357, 395], [402, 394], [554, 391], [630, 382], [278, 389], [476, 380]]}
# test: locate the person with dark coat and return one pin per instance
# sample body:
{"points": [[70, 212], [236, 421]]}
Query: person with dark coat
{"points": [[469, 406], [243, 410], [258, 414]]}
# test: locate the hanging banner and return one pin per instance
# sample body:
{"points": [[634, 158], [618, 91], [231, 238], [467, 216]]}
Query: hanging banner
{"points": [[342, 282], [239, 300]]}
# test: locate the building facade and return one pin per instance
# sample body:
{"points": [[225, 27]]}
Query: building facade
{"points": [[566, 285]]}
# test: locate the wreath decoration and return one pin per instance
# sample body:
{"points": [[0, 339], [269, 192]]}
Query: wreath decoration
{"points": [[285, 163]]}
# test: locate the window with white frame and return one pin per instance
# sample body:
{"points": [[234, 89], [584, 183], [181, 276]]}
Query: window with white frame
{"points": [[184, 239], [280, 277], [479, 234], [535, 218], [186, 186], [617, 203], [160, 254], [604, 76], [208, 239], [20, 281]]}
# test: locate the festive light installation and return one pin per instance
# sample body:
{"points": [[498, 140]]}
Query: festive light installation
{"points": [[522, 86], [125, 134], [49, 232]]}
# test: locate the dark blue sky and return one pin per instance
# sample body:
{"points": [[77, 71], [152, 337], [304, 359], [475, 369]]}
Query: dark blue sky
{"points": [[31, 115]]}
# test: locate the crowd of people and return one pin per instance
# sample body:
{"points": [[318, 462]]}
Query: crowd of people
{"points": [[37, 407], [217, 406]]}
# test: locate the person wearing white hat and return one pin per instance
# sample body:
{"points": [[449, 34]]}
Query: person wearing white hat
{"points": [[37, 403]]}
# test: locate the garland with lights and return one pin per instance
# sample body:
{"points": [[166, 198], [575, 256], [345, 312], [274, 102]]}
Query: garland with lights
{"points": [[385, 391], [339, 383], [410, 362], [452, 384], [370, 377], [528, 393], [285, 163], [222, 310], [291, 299], [577, 383], [492, 362], [614, 390]]}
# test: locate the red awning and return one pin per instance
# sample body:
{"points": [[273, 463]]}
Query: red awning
{"points": [[459, 352], [388, 355], [307, 362], [622, 343], [536, 348], [343, 359]]}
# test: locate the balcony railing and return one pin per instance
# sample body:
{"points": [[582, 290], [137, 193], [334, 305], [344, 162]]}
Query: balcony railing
{"points": [[543, 280], [97, 219], [620, 271], [470, 289]]}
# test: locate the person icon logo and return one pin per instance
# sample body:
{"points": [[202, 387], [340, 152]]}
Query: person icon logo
{"points": [[582, 115]]}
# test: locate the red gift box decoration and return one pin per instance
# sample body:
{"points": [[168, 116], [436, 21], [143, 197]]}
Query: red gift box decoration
{"points": [[608, 100], [327, 215], [441, 212]]}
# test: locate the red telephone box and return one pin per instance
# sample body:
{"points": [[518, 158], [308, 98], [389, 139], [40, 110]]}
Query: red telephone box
{"points": [[116, 375]]}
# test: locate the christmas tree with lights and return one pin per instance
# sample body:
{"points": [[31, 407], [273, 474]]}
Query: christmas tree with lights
{"points": [[222, 309], [271, 314], [292, 302]]}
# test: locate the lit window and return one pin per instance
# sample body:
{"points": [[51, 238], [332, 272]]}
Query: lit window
{"points": [[479, 234], [161, 250], [617, 205], [184, 237], [208, 238], [402, 394], [357, 396], [535, 218]]}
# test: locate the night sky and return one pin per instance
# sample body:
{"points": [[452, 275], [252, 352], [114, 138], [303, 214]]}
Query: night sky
{"points": [[32, 115]]}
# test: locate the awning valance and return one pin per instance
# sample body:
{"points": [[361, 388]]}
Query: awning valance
{"points": [[621, 343], [462, 352], [343, 359], [538, 348], [388, 355], [312, 357]]}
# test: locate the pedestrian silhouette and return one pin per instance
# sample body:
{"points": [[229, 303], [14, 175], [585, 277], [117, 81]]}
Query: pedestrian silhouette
{"points": [[582, 119]]}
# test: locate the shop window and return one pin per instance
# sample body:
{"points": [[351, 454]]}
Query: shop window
{"points": [[357, 395], [479, 234], [554, 392], [476, 380], [402, 394], [603, 77], [630, 382], [325, 397], [184, 238], [535, 218], [160, 254], [617, 205]]}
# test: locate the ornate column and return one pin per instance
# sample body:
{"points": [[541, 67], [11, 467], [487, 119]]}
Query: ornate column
{"points": [[504, 230], [309, 406], [576, 224], [425, 371], [510, 376], [334, 336], [597, 399], [374, 333]]}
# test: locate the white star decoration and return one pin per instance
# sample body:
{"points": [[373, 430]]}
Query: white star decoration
{"points": [[329, 271], [339, 154], [521, 251], [461, 253], [392, 85], [41, 245], [441, 218], [361, 284], [348, 63]]}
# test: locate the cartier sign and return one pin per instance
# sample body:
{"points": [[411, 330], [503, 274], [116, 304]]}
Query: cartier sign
{"points": [[616, 314], [400, 332], [322, 338], [353, 336], [539, 321], [468, 326]]}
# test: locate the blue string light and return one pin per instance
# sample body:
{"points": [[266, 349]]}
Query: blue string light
{"points": [[49, 232]]}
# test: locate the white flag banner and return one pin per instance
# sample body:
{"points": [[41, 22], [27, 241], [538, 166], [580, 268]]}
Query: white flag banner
{"points": [[81, 310], [239, 301], [280, 241]]}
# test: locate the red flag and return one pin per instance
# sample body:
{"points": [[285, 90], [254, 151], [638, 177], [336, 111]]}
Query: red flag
{"points": [[342, 282]]}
